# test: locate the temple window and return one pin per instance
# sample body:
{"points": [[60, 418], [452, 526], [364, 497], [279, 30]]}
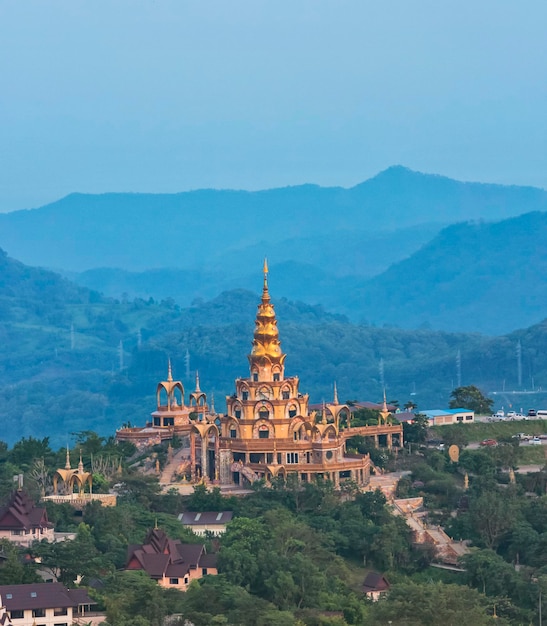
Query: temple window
{"points": [[263, 434], [245, 395], [233, 433], [279, 458], [255, 377], [173, 581], [292, 411], [292, 457], [329, 455], [269, 457], [285, 394], [276, 377], [237, 413], [157, 421], [168, 421], [263, 413]]}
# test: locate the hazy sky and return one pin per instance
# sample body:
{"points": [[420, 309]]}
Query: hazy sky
{"points": [[170, 95]]}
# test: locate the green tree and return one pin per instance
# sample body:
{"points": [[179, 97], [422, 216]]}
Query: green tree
{"points": [[416, 432], [431, 604], [133, 598], [472, 398]]}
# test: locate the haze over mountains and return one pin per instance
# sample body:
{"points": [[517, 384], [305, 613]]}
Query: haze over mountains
{"points": [[385, 251], [73, 360]]}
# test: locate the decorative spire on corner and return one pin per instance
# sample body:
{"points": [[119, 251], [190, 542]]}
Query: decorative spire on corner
{"points": [[169, 371], [324, 416], [81, 463], [384, 405], [67, 463], [198, 390], [335, 394]]}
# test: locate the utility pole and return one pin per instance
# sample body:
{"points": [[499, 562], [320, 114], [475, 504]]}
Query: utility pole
{"points": [[187, 364], [519, 364]]}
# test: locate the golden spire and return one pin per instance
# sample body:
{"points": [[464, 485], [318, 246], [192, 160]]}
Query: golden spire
{"points": [[384, 406], [265, 292], [266, 350], [198, 390], [335, 394], [67, 464], [81, 464], [169, 372]]}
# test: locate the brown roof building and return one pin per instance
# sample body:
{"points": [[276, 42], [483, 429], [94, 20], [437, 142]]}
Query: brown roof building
{"points": [[375, 585], [49, 603], [170, 562], [22, 522]]}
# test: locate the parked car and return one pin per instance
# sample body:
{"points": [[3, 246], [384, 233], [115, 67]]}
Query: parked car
{"points": [[535, 441], [511, 415], [488, 442], [532, 413], [522, 436]]}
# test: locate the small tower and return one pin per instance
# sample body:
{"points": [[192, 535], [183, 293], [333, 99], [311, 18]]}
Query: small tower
{"points": [[266, 360], [169, 401], [198, 398]]}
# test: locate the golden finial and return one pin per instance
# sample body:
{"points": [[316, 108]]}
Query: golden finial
{"points": [[198, 390], [265, 292], [67, 464], [335, 394], [81, 463], [384, 406], [169, 372]]}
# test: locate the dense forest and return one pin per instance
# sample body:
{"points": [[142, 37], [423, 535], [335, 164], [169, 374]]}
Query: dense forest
{"points": [[74, 360], [297, 555]]}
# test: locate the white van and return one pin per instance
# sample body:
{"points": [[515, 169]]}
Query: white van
{"points": [[541, 413]]}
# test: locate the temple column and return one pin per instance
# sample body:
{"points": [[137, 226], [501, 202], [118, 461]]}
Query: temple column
{"points": [[192, 455], [204, 472], [217, 457], [376, 441], [389, 441]]}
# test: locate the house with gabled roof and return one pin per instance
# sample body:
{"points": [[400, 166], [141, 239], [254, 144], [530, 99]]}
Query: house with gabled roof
{"points": [[170, 562], [47, 604], [203, 522], [22, 522], [375, 585]]}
